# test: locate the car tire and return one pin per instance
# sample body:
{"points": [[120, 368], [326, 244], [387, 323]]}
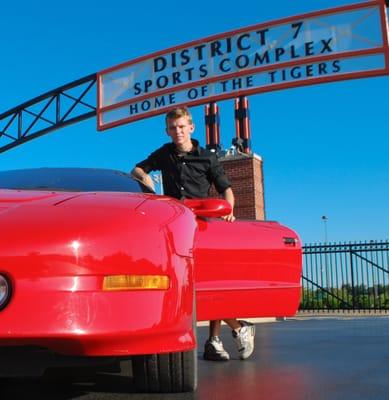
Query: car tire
{"points": [[167, 373]]}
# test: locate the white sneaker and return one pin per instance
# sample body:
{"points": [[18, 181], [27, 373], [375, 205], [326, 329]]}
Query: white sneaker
{"points": [[214, 350], [244, 339]]}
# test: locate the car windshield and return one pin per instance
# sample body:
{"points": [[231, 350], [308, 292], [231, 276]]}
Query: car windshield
{"points": [[71, 179]]}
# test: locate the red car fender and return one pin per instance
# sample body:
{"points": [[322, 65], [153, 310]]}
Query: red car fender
{"points": [[60, 248]]}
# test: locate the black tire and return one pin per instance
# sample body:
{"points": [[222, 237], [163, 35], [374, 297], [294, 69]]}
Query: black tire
{"points": [[166, 373]]}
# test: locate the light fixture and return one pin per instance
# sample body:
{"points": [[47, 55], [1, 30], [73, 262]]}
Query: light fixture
{"points": [[5, 291]]}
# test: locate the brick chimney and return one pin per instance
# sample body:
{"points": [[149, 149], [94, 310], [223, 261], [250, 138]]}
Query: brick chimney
{"points": [[246, 176]]}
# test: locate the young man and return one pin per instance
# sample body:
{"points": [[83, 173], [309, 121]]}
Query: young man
{"points": [[188, 171]]}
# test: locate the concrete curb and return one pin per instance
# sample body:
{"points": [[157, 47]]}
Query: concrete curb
{"points": [[252, 320]]}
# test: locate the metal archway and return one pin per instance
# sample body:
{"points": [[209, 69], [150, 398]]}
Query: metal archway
{"points": [[50, 111], [266, 58]]}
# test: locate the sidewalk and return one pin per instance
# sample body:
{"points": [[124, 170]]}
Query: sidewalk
{"points": [[316, 314]]}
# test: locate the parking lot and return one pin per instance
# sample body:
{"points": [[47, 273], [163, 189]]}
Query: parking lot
{"points": [[299, 358]]}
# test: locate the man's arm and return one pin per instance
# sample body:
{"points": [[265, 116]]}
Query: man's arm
{"points": [[228, 195], [140, 175], [222, 185]]}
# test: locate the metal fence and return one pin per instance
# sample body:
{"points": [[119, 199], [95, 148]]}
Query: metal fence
{"points": [[346, 276]]}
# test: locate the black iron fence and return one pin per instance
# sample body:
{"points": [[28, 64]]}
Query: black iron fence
{"points": [[346, 276]]}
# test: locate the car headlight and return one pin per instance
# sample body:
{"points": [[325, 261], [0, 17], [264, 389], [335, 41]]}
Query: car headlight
{"points": [[5, 291]]}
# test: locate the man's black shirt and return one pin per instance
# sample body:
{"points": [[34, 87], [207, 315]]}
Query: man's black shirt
{"points": [[187, 175]]}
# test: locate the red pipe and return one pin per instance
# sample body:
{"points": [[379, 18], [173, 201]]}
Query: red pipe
{"points": [[207, 138]]}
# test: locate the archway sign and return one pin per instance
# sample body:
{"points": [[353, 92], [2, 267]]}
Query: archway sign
{"points": [[329, 45]]}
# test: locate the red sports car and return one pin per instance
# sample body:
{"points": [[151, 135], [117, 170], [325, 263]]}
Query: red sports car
{"points": [[95, 270]]}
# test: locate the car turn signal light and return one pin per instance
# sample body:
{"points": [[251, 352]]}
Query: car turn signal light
{"points": [[136, 282]]}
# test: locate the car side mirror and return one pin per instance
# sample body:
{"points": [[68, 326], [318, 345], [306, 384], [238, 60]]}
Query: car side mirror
{"points": [[209, 207]]}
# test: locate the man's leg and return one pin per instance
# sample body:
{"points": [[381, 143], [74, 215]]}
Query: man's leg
{"points": [[234, 324], [243, 333], [213, 349], [215, 328]]}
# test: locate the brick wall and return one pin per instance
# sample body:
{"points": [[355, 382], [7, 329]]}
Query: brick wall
{"points": [[246, 176]]}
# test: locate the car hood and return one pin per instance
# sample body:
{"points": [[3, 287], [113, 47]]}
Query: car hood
{"points": [[104, 223], [10, 199]]}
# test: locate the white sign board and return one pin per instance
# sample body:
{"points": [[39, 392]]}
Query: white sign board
{"points": [[342, 43]]}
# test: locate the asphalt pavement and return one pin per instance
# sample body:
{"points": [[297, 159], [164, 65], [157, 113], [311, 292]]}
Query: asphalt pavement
{"points": [[299, 358]]}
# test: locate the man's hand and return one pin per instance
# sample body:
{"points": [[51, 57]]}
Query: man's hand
{"points": [[229, 217], [139, 175]]}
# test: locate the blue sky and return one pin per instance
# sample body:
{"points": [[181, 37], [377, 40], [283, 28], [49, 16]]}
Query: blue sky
{"points": [[325, 147]]}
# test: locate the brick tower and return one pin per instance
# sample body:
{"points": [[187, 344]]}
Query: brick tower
{"points": [[246, 176]]}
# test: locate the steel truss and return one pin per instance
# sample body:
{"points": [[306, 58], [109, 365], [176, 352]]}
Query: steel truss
{"points": [[60, 107]]}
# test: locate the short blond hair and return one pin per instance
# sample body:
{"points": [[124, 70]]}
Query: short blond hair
{"points": [[179, 112]]}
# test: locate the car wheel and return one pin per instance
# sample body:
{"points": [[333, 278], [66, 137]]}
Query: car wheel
{"points": [[167, 373], [172, 372]]}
